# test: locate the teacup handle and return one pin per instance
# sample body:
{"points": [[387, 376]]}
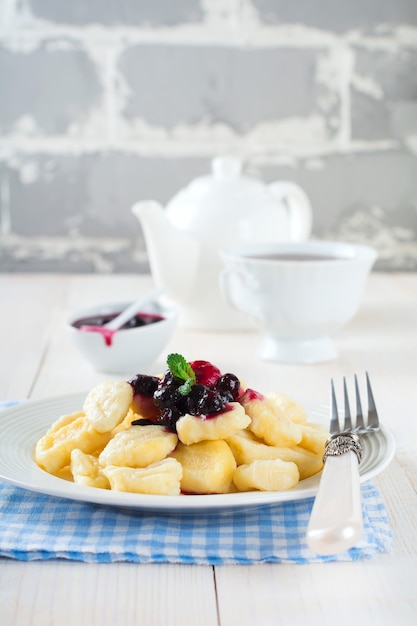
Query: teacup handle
{"points": [[299, 207], [226, 288]]}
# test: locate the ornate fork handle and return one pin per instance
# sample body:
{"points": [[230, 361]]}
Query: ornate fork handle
{"points": [[340, 443], [336, 519]]}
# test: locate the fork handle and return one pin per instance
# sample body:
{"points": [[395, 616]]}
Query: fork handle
{"points": [[336, 519]]}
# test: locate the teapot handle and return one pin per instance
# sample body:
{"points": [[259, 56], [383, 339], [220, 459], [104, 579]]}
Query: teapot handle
{"points": [[299, 208]]}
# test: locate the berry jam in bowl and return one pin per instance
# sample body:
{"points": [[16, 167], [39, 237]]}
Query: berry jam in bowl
{"points": [[132, 348]]}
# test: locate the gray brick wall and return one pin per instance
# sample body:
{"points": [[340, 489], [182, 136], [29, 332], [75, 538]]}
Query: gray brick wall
{"points": [[106, 102]]}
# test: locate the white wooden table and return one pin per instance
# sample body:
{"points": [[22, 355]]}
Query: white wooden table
{"points": [[36, 361]]}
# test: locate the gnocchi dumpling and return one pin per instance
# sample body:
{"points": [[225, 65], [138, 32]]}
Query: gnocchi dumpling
{"points": [[314, 437], [193, 428], [270, 423], [53, 450], [289, 406], [246, 448], [161, 478], [260, 475], [208, 466], [138, 446], [107, 404], [86, 470]]}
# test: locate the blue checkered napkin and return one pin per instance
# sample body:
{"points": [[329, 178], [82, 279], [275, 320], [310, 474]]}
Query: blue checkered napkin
{"points": [[35, 526]]}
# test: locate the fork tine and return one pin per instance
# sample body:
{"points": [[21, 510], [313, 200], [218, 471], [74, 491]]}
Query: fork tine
{"points": [[348, 420], [334, 421], [373, 420], [359, 414]]}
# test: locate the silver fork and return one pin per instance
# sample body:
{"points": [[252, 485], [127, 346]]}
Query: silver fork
{"points": [[336, 519]]}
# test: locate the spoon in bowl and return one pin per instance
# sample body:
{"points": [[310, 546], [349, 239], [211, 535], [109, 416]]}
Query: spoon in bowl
{"points": [[108, 330]]}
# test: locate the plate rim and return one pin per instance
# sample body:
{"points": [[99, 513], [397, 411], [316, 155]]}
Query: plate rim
{"points": [[39, 481]]}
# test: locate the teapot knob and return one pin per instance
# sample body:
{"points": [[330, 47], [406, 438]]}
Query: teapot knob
{"points": [[226, 167]]}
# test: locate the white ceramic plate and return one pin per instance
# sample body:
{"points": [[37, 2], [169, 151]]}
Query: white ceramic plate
{"points": [[23, 425]]}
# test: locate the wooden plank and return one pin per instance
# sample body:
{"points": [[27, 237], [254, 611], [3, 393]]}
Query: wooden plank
{"points": [[381, 591], [28, 303], [50, 593]]}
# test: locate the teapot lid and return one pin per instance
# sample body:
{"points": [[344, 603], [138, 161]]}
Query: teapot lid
{"points": [[224, 188], [226, 178]]}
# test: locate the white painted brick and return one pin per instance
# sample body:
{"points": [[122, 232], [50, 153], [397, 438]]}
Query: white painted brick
{"points": [[324, 95]]}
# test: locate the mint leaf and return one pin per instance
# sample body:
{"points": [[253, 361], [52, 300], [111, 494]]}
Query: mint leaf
{"points": [[180, 368], [185, 389]]}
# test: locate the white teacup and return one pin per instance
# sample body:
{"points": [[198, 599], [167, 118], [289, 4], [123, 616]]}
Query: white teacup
{"points": [[299, 294]]}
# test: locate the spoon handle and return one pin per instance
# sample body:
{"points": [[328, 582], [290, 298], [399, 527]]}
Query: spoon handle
{"points": [[134, 308]]}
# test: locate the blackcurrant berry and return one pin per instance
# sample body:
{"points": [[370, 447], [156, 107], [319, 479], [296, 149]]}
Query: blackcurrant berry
{"points": [[228, 386], [144, 385]]}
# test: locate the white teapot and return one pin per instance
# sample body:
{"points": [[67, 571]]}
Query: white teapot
{"points": [[214, 212]]}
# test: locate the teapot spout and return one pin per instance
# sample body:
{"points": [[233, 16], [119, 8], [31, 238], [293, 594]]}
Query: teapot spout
{"points": [[173, 255]]}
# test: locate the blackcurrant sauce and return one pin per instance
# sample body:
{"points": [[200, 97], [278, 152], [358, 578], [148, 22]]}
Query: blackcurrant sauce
{"points": [[160, 401], [97, 323], [140, 319]]}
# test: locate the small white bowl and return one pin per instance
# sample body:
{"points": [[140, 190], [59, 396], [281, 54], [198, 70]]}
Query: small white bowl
{"points": [[298, 294], [132, 350]]}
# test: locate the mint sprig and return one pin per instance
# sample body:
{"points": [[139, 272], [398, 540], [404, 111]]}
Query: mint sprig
{"points": [[180, 368]]}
